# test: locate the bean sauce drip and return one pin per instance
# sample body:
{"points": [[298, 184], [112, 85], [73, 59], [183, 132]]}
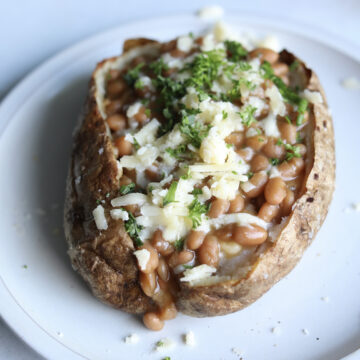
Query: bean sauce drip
{"points": [[173, 87]]}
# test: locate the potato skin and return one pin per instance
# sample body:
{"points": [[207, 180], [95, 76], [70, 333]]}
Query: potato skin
{"points": [[298, 231], [105, 259]]}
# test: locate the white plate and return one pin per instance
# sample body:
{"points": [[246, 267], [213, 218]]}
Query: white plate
{"points": [[49, 306]]}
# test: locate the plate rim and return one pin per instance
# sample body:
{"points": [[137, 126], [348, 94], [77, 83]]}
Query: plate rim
{"points": [[44, 343]]}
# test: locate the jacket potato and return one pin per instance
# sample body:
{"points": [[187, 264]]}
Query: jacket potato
{"points": [[200, 173]]}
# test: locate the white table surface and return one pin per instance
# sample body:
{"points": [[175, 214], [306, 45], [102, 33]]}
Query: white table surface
{"points": [[32, 31]]}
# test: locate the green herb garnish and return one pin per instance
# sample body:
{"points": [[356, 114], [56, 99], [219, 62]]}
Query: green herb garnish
{"points": [[224, 114], [148, 112], [132, 75], [196, 209], [139, 84], [274, 161], [288, 94], [194, 130], [250, 174], [235, 50], [136, 143], [170, 195], [179, 244], [197, 191], [158, 67], [181, 152], [247, 115], [133, 229], [125, 189], [292, 151], [287, 119]]}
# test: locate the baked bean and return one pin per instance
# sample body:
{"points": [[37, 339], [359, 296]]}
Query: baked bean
{"points": [[130, 173], [180, 258], [275, 191], [134, 209], [153, 261], [288, 202], [288, 132], [114, 88], [258, 180], [195, 239], [236, 138], [116, 122], [163, 270], [272, 150], [209, 251], [259, 162], [301, 149], [140, 116], [168, 312], [153, 174], [250, 235], [246, 153], [268, 212], [124, 147], [224, 233], [160, 244], [237, 204], [264, 54], [218, 207], [291, 168], [124, 180], [256, 142], [152, 321], [280, 69], [114, 107], [148, 283]]}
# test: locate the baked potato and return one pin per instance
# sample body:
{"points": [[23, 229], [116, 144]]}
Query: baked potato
{"points": [[200, 173]]}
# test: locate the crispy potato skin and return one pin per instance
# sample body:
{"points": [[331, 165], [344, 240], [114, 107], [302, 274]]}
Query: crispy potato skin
{"points": [[300, 228], [105, 259]]}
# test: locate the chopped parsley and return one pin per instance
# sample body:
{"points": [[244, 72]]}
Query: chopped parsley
{"points": [[170, 195], [196, 209], [229, 146], [288, 94], [224, 114], [133, 75], [179, 244], [292, 151], [250, 174], [98, 201], [194, 131], [25, 266], [158, 67], [204, 69], [125, 189], [180, 152], [148, 112], [197, 191], [274, 161], [136, 143], [235, 172], [235, 50], [287, 119], [139, 84], [145, 101], [247, 115], [133, 229]]}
